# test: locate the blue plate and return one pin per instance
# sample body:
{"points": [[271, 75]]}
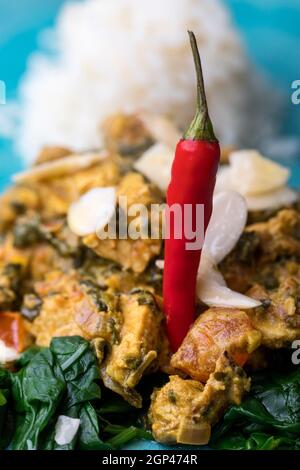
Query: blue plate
{"points": [[270, 31]]}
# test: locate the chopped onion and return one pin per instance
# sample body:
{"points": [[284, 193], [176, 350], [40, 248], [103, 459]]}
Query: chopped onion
{"points": [[226, 225], [156, 164], [7, 354], [66, 429], [66, 165], [92, 211]]}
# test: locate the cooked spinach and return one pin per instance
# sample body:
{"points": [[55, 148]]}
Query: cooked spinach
{"points": [[28, 232], [5, 418], [268, 418], [37, 390], [61, 380]]}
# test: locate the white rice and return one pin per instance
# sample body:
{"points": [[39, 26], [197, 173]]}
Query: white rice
{"points": [[130, 55]]}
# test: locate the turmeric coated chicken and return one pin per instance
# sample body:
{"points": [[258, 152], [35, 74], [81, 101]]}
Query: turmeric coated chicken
{"points": [[56, 283], [266, 253], [184, 411], [215, 331]]}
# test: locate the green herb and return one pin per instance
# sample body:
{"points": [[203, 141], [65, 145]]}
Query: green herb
{"points": [[61, 380], [128, 434], [268, 418], [11, 276], [5, 419], [28, 355], [28, 232]]}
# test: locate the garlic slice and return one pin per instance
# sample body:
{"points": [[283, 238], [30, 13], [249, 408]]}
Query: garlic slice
{"points": [[253, 174], [226, 225], [211, 287], [160, 264], [7, 354], [63, 166], [260, 180], [225, 228], [156, 164], [66, 429], [223, 181], [273, 200], [215, 295], [161, 129], [92, 211], [212, 290]]}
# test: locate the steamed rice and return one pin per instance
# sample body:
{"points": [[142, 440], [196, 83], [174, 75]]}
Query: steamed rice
{"points": [[128, 55]]}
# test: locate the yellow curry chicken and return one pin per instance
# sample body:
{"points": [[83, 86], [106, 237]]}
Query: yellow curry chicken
{"points": [[55, 283]]}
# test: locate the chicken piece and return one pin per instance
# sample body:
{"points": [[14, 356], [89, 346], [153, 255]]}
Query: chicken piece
{"points": [[11, 276], [49, 154], [239, 268], [17, 200], [58, 293], [183, 411], [140, 339], [129, 394], [279, 236], [57, 194], [278, 319], [126, 134], [97, 312], [265, 253], [172, 406], [130, 253], [216, 330], [13, 269], [72, 306], [134, 187], [52, 246], [46, 259]]}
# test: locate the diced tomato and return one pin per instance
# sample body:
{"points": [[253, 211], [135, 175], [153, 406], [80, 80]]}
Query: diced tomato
{"points": [[240, 357], [12, 331]]}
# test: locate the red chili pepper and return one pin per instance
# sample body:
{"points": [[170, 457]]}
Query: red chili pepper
{"points": [[192, 182]]}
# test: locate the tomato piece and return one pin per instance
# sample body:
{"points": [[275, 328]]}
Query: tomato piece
{"points": [[240, 357], [12, 331]]}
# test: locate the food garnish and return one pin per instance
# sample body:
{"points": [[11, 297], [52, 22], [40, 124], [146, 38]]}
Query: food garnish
{"points": [[92, 211], [261, 181], [193, 179], [156, 164], [66, 165], [224, 230]]}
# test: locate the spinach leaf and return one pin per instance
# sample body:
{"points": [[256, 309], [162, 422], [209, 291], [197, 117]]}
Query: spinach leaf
{"points": [[36, 390], [63, 380], [89, 431], [27, 355], [3, 410], [268, 418], [79, 367]]}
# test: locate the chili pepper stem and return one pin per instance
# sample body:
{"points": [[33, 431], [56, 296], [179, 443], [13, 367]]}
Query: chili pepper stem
{"points": [[201, 127]]}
